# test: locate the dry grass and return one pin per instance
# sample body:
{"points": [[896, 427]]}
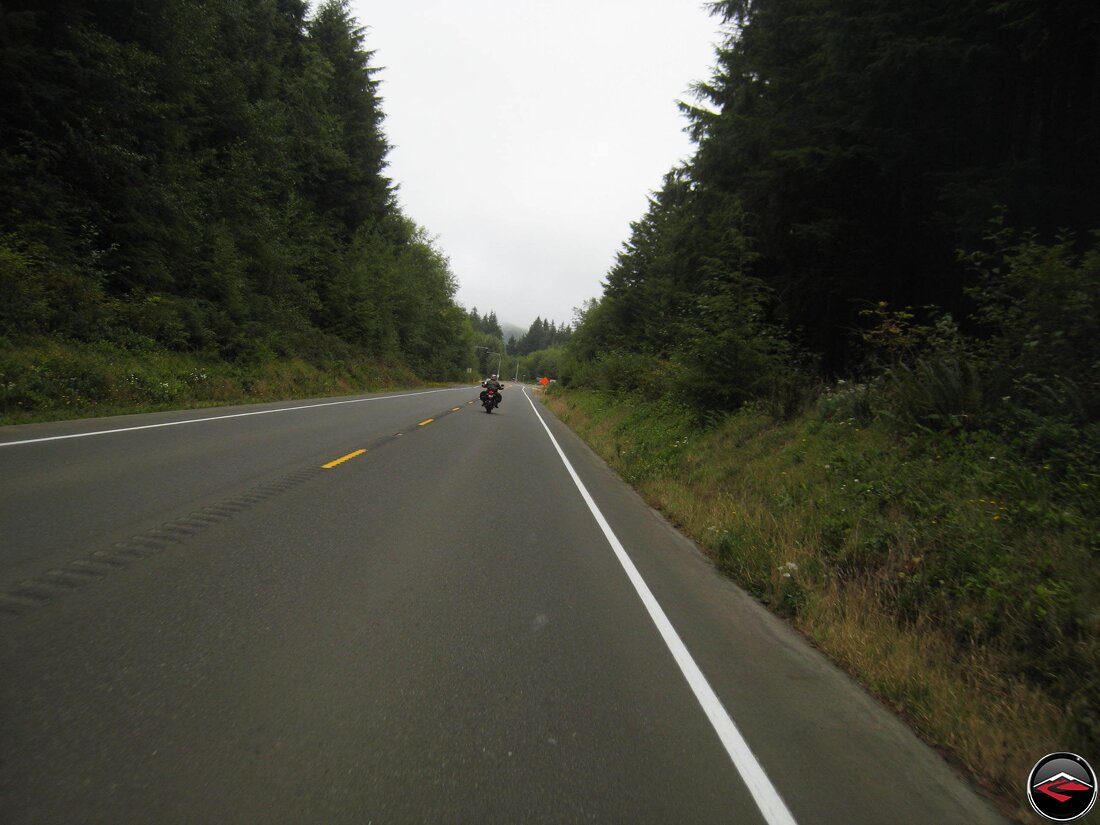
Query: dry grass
{"points": [[992, 727]]}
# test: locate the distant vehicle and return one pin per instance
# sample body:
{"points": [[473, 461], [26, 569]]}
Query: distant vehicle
{"points": [[490, 398]]}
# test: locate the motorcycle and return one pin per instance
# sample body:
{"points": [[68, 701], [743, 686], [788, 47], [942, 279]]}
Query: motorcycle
{"points": [[489, 399]]}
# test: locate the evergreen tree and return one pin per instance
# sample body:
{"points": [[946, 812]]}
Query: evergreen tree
{"points": [[350, 186], [491, 326], [209, 177], [869, 140], [846, 150]]}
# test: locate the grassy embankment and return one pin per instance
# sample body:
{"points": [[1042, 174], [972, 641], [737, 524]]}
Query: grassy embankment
{"points": [[51, 380], [948, 576]]}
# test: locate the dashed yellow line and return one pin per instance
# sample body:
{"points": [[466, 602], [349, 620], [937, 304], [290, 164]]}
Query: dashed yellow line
{"points": [[342, 459], [350, 456]]}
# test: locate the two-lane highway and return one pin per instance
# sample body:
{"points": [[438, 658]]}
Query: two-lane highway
{"points": [[467, 619]]}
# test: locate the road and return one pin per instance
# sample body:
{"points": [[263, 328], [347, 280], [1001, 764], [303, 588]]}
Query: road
{"points": [[473, 621]]}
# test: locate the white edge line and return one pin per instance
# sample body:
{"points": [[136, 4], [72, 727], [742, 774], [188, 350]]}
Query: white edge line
{"points": [[763, 792], [220, 417]]}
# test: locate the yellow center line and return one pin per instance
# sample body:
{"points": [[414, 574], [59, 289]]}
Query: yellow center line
{"points": [[342, 459], [455, 409], [422, 423]]}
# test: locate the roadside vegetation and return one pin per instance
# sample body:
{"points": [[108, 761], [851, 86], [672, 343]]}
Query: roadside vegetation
{"points": [[952, 573], [50, 380], [194, 208], [853, 349]]}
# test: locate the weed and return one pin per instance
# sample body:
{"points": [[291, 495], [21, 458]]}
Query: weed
{"points": [[950, 571], [45, 380]]}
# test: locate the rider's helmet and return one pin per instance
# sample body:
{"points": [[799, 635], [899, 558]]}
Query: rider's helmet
{"points": [[493, 376]]}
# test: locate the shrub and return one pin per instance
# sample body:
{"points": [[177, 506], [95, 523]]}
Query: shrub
{"points": [[847, 401], [937, 392], [38, 295], [1039, 307], [630, 372]]}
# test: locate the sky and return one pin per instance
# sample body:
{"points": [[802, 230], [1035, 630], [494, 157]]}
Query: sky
{"points": [[528, 134]]}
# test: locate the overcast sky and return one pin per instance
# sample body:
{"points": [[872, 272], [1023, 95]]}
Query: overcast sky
{"points": [[528, 133]]}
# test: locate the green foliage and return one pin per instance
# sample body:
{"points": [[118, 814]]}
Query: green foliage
{"points": [[869, 140], [541, 335], [627, 372], [544, 362], [210, 179], [681, 315], [1030, 373], [845, 151], [936, 392], [488, 353], [486, 325], [854, 404], [1039, 307], [43, 379], [39, 295]]}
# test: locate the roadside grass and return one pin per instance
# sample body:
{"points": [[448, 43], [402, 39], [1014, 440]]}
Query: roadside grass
{"points": [[955, 581], [50, 380]]}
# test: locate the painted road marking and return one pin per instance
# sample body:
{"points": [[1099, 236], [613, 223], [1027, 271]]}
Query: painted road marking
{"points": [[224, 417], [422, 423], [763, 792], [342, 459], [455, 409]]}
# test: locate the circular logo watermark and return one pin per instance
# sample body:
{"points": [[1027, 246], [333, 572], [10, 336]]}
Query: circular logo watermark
{"points": [[1062, 787]]}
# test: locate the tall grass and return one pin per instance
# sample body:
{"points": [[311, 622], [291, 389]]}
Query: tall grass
{"points": [[51, 379], [951, 575]]}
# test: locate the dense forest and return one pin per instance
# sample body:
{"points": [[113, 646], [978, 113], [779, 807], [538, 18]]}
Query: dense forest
{"points": [[541, 335], [536, 352], [210, 178], [862, 166]]}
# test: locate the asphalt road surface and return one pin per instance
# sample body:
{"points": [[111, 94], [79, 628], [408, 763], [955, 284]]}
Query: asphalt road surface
{"points": [[466, 623]]}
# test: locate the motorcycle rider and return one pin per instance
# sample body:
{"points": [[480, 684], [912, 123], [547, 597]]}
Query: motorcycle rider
{"points": [[491, 383]]}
